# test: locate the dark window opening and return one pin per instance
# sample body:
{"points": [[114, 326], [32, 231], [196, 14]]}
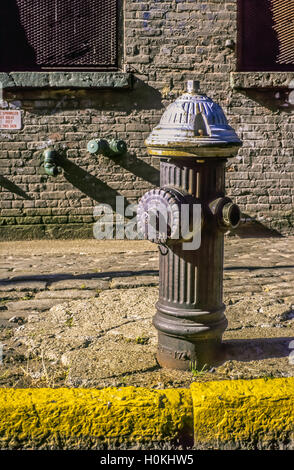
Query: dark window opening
{"points": [[265, 35], [58, 34]]}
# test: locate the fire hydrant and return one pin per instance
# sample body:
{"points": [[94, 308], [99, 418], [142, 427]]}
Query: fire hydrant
{"points": [[193, 141]]}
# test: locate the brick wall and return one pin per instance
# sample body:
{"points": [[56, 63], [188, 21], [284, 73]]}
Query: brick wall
{"points": [[165, 43]]}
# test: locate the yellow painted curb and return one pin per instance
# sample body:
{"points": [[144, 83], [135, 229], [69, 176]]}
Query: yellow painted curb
{"points": [[244, 413], [90, 418]]}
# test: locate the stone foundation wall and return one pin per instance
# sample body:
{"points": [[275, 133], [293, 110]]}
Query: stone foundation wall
{"points": [[164, 45]]}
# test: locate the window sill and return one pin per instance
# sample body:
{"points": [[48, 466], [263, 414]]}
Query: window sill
{"points": [[29, 80], [265, 80]]}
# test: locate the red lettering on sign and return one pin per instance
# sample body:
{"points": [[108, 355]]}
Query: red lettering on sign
{"points": [[10, 119]]}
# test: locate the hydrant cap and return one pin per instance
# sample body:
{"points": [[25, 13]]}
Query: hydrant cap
{"points": [[193, 125]]}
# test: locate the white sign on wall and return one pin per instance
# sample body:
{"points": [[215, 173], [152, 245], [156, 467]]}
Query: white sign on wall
{"points": [[10, 120]]}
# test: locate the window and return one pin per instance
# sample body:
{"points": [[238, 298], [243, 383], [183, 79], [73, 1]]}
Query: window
{"points": [[58, 35], [265, 35]]}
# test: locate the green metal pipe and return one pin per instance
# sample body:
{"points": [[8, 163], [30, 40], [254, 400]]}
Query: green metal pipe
{"points": [[108, 148], [117, 147], [50, 163], [98, 146]]}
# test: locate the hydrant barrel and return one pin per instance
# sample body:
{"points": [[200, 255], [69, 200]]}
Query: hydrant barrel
{"points": [[193, 141]]}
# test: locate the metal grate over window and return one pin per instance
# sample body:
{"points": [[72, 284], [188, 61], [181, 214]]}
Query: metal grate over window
{"points": [[62, 34], [266, 35]]}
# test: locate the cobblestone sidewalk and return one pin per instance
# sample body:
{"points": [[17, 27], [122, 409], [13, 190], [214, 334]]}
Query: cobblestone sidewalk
{"points": [[42, 281]]}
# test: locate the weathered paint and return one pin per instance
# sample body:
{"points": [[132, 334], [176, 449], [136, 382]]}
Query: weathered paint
{"points": [[235, 413], [245, 413], [30, 417]]}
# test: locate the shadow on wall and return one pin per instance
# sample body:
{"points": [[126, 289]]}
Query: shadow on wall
{"points": [[17, 52], [13, 188], [138, 167], [143, 96], [97, 189], [254, 229], [89, 184], [274, 100], [140, 97]]}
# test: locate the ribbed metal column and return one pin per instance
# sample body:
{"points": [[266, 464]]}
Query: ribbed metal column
{"points": [[190, 313], [193, 140]]}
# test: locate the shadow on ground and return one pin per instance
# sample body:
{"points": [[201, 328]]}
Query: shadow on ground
{"points": [[246, 350], [64, 276], [111, 274], [254, 268]]}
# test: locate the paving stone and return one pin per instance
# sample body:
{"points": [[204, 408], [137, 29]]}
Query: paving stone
{"points": [[31, 305], [66, 294], [12, 295], [14, 285], [7, 315], [133, 281], [4, 323], [240, 289], [80, 284]]}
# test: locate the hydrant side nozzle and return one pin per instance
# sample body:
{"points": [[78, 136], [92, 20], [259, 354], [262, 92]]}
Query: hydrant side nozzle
{"points": [[162, 217], [231, 215], [50, 162], [227, 212]]}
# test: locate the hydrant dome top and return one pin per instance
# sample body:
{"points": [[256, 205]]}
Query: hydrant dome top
{"points": [[187, 106], [193, 125]]}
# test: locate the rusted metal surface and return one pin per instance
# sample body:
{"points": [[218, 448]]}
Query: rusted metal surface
{"points": [[59, 34], [265, 35]]}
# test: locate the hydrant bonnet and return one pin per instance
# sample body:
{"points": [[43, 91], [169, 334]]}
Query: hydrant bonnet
{"points": [[193, 125]]}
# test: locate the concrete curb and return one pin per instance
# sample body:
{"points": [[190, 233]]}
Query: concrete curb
{"points": [[244, 414], [88, 418]]}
